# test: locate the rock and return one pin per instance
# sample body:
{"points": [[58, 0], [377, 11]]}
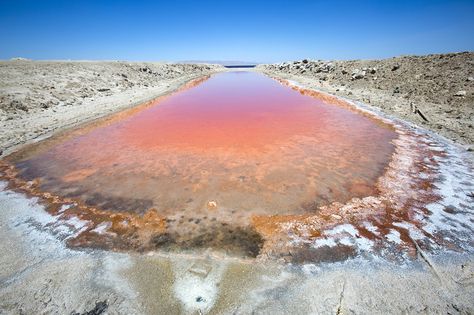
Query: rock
{"points": [[199, 299], [460, 93], [327, 67], [344, 71], [146, 70], [470, 79], [358, 74], [396, 90], [18, 105], [372, 70], [396, 67], [305, 60], [212, 204]]}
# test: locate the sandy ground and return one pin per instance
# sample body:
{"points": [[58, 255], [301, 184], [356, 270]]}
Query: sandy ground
{"points": [[40, 275], [440, 87]]}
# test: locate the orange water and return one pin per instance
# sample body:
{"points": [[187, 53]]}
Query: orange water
{"points": [[236, 145]]}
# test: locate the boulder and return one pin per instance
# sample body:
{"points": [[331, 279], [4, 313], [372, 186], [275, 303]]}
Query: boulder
{"points": [[358, 74]]}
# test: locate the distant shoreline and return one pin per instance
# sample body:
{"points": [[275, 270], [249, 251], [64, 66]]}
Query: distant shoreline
{"points": [[240, 66]]}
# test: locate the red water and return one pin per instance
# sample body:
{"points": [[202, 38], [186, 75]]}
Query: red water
{"points": [[236, 145]]}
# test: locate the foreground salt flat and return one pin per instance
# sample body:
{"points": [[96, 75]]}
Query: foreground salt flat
{"points": [[39, 274]]}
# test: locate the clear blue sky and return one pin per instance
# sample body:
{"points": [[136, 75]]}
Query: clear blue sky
{"points": [[262, 31]]}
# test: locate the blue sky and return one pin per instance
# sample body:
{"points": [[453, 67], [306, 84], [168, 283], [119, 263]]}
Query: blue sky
{"points": [[262, 31]]}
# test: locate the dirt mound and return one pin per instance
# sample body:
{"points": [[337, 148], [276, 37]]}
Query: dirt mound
{"points": [[37, 85]]}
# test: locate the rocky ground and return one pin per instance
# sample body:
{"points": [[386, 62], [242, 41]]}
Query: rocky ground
{"points": [[41, 97], [434, 91]]}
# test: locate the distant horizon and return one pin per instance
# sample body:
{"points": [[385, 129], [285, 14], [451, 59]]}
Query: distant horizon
{"points": [[225, 62], [249, 31]]}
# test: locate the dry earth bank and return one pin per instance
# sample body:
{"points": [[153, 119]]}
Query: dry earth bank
{"points": [[434, 91]]}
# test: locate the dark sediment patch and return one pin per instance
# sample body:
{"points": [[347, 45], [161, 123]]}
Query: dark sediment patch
{"points": [[234, 240]]}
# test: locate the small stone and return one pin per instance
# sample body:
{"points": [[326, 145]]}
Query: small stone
{"points": [[358, 74], [396, 67], [212, 204], [305, 60], [470, 79], [199, 299], [460, 93]]}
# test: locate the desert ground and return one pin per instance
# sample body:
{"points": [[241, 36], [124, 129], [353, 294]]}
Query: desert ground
{"points": [[39, 274]]}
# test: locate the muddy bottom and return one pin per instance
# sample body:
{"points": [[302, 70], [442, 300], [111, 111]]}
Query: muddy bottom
{"points": [[197, 168]]}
